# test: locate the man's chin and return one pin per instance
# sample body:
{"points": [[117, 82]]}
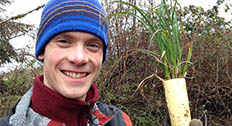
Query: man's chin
{"points": [[75, 96]]}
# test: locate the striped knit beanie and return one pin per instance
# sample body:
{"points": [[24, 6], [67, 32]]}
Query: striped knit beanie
{"points": [[72, 15]]}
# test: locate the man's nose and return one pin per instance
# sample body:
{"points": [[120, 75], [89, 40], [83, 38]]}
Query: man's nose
{"points": [[78, 55]]}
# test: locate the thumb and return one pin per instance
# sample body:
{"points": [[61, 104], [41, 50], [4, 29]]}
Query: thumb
{"points": [[196, 122]]}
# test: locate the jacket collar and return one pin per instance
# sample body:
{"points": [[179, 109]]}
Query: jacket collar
{"points": [[58, 108]]}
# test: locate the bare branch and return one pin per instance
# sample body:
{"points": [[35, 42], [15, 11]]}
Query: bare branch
{"points": [[21, 15]]}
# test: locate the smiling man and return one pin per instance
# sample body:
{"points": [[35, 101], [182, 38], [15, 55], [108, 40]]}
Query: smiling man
{"points": [[72, 44], [75, 63]]}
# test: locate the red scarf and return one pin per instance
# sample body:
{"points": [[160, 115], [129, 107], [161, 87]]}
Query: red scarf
{"points": [[60, 109]]}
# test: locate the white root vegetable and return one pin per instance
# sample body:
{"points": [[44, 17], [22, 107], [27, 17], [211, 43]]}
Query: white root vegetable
{"points": [[177, 101]]}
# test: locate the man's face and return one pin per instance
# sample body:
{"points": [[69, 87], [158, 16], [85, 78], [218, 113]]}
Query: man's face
{"points": [[72, 61]]}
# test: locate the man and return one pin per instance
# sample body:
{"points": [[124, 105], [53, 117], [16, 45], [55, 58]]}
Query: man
{"points": [[72, 44]]}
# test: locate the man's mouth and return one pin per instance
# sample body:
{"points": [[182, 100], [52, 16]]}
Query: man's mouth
{"points": [[75, 75]]}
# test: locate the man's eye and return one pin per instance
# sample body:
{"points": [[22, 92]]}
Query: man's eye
{"points": [[62, 40], [95, 46]]}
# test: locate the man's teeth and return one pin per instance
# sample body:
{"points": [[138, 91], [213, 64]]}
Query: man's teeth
{"points": [[75, 75]]}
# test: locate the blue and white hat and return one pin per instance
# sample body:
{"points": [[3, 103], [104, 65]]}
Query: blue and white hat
{"points": [[72, 15]]}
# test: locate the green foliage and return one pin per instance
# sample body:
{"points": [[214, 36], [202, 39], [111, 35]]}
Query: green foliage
{"points": [[7, 102], [164, 29], [5, 82], [14, 84]]}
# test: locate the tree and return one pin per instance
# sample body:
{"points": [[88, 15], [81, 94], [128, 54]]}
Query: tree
{"points": [[10, 29]]}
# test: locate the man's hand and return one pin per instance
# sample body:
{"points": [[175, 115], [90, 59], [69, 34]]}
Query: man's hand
{"points": [[195, 122]]}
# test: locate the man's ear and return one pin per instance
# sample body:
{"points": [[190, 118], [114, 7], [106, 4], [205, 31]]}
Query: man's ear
{"points": [[41, 57]]}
